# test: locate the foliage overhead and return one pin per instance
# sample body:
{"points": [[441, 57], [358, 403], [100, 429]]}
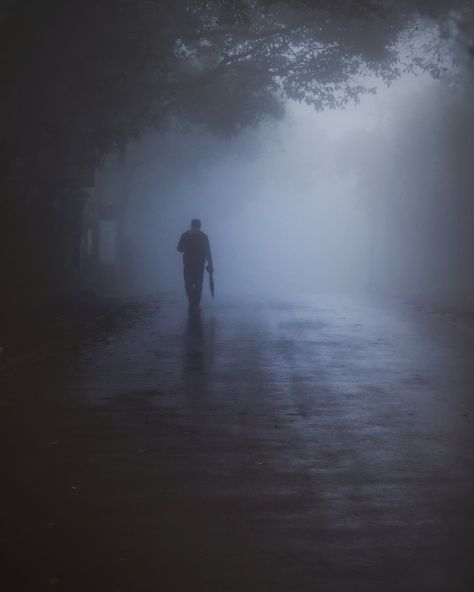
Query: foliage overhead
{"points": [[82, 77]]}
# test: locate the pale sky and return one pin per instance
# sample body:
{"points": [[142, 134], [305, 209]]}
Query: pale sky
{"points": [[367, 115]]}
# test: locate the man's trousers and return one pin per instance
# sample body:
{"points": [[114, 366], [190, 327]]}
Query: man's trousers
{"points": [[193, 276]]}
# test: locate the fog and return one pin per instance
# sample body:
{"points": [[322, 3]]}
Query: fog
{"points": [[373, 198]]}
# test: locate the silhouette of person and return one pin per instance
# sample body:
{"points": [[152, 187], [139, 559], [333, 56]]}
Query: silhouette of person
{"points": [[194, 244]]}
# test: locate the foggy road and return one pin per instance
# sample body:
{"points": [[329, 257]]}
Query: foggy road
{"points": [[322, 444]]}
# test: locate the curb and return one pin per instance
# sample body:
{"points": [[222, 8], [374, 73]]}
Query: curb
{"points": [[73, 335]]}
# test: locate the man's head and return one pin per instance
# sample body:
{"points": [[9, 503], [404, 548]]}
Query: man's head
{"points": [[196, 224]]}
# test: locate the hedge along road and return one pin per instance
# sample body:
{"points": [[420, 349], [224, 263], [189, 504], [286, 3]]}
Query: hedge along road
{"points": [[320, 444]]}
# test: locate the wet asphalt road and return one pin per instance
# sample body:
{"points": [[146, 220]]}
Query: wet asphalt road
{"points": [[322, 445]]}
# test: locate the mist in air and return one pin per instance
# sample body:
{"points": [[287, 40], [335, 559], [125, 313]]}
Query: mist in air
{"points": [[375, 198]]}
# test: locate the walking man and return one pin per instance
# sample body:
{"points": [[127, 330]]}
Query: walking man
{"points": [[194, 244]]}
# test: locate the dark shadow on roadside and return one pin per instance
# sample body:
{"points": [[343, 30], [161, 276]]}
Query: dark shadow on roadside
{"points": [[194, 326], [194, 351], [198, 354]]}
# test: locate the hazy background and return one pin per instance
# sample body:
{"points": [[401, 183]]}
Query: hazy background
{"points": [[375, 197]]}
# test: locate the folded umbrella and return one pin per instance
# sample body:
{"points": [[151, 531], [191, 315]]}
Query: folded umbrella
{"points": [[211, 283], [211, 280]]}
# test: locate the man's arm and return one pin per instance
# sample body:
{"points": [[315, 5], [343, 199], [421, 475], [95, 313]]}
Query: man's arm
{"points": [[180, 247]]}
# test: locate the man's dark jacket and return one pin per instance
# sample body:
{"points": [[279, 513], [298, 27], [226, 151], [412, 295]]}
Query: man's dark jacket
{"points": [[194, 244]]}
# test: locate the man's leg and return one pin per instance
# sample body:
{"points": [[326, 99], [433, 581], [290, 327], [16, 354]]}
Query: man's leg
{"points": [[188, 283], [198, 283]]}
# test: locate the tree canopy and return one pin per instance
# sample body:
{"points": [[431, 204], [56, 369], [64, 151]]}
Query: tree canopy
{"points": [[87, 76]]}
